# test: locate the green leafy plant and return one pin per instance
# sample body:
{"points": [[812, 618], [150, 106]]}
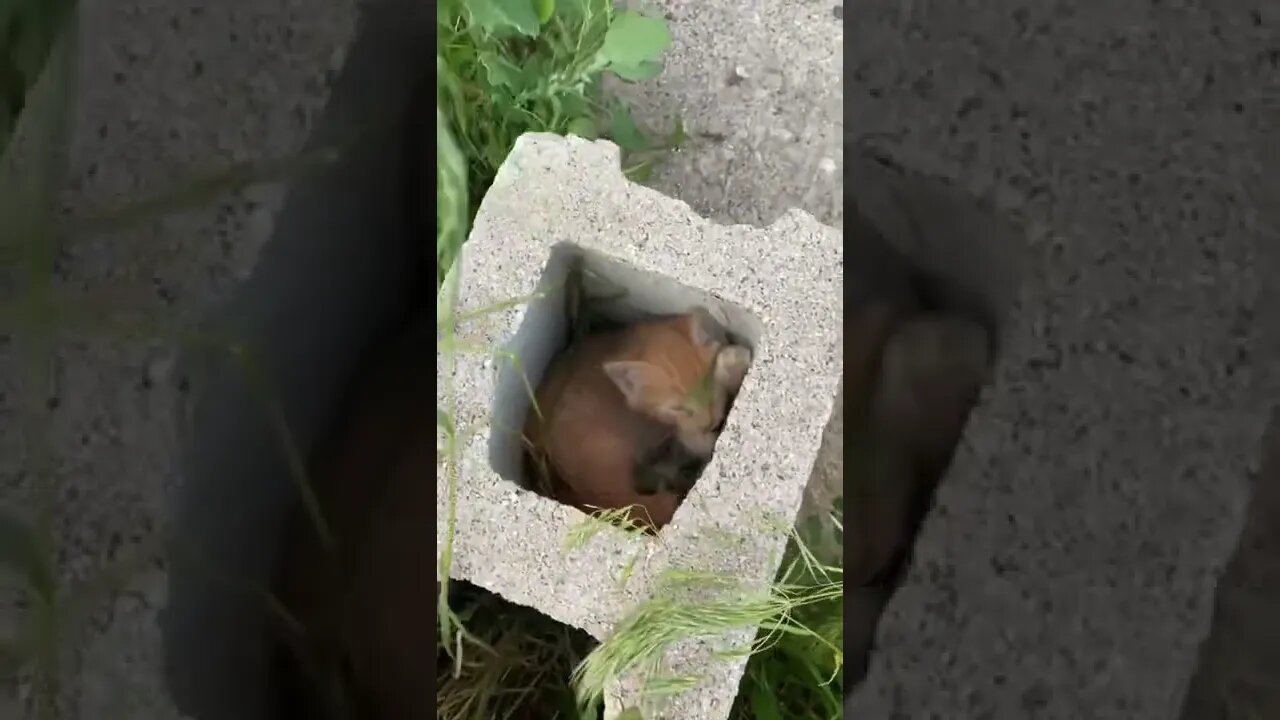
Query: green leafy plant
{"points": [[28, 29], [507, 67], [504, 68]]}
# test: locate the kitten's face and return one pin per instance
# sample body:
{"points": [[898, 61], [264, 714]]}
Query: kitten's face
{"points": [[700, 416], [684, 378]]}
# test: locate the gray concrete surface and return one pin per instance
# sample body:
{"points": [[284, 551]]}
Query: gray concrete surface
{"points": [[1240, 661], [1068, 570], [166, 93], [1128, 136], [319, 294], [758, 88], [779, 286]]}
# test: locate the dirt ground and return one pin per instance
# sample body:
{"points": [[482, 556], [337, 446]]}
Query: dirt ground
{"points": [[1239, 673]]}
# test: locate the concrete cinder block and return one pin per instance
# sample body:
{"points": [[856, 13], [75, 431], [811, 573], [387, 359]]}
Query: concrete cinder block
{"points": [[149, 448], [779, 286], [1068, 568]]}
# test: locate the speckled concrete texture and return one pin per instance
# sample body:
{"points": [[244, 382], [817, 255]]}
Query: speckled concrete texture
{"points": [[164, 92], [757, 86], [1240, 662], [758, 89], [1068, 569], [789, 275]]}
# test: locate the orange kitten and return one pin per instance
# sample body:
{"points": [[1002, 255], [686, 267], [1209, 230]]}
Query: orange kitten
{"points": [[607, 400]]}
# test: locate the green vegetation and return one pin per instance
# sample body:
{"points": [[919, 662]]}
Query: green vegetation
{"points": [[796, 661], [516, 665], [506, 67], [28, 29], [801, 674]]}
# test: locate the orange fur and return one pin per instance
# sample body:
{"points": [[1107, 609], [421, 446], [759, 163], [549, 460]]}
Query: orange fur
{"points": [[610, 398]]}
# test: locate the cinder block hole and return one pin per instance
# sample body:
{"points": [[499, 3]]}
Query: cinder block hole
{"points": [[932, 273], [527, 675], [341, 272], [615, 294]]}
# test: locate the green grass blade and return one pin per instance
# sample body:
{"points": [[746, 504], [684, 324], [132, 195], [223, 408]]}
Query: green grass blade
{"points": [[23, 555], [201, 191]]}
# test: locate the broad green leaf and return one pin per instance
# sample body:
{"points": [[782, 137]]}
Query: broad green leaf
{"points": [[446, 12], [574, 11], [623, 130], [502, 72], [546, 8], [575, 106], [631, 714], [637, 73], [584, 128], [443, 421], [451, 207], [634, 39], [502, 17]]}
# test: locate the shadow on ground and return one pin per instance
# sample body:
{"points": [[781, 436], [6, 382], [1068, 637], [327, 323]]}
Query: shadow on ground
{"points": [[1239, 673]]}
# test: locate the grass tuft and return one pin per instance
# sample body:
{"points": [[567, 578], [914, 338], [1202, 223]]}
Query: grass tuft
{"points": [[507, 67], [600, 520], [691, 604], [516, 665], [504, 68]]}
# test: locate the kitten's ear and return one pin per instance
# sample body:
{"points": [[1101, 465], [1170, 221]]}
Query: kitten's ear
{"points": [[705, 330], [731, 367], [635, 378]]}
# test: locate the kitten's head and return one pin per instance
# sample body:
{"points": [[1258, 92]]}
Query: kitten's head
{"points": [[682, 373]]}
